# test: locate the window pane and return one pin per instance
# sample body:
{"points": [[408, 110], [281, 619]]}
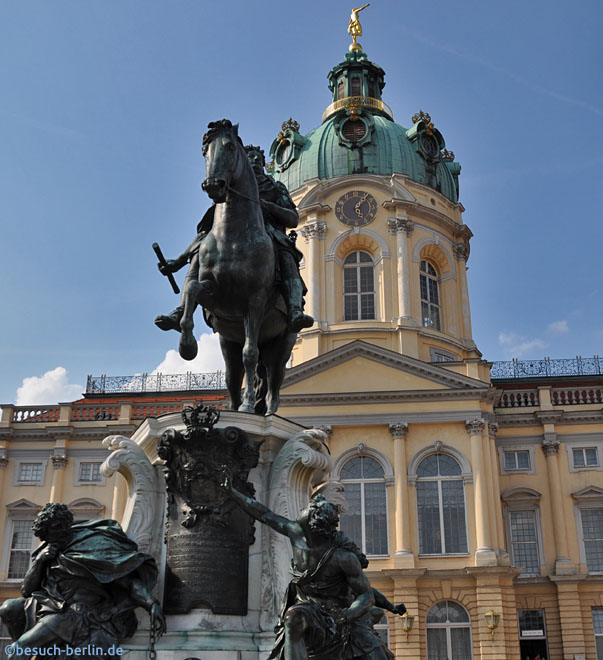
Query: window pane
{"points": [[592, 527], [523, 460], [460, 639], [30, 471], [433, 292], [434, 314], [591, 456], [453, 511], [375, 518], [428, 467], [598, 620], [423, 287], [351, 258], [352, 469], [350, 280], [578, 458], [438, 613], [367, 306], [371, 469], [456, 613], [20, 553], [449, 467], [351, 308], [364, 257], [599, 647], [366, 278], [351, 522], [436, 644], [430, 541], [531, 620], [524, 541]]}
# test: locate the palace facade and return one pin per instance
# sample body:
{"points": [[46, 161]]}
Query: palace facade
{"points": [[476, 490]]}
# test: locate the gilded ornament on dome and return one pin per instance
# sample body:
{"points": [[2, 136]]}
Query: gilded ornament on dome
{"points": [[426, 117], [289, 125], [447, 155]]}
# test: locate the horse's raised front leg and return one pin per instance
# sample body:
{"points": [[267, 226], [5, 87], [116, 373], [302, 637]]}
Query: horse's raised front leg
{"points": [[251, 352], [232, 353], [195, 293]]}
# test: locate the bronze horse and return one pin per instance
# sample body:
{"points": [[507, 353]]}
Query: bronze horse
{"points": [[236, 285]]}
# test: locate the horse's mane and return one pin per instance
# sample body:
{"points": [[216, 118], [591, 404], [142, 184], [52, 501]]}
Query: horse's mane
{"points": [[221, 126]]}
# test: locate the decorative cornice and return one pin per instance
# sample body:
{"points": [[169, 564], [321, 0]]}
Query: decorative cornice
{"points": [[398, 430], [59, 462], [399, 225], [475, 426], [314, 229]]}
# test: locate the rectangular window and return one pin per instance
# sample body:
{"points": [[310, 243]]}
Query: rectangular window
{"points": [[356, 86], [592, 530], [5, 639], [598, 626], [585, 457], [441, 517], [90, 472], [524, 541], [30, 472], [517, 460], [21, 545]]}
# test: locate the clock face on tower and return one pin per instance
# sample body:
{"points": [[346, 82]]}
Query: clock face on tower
{"points": [[356, 208]]}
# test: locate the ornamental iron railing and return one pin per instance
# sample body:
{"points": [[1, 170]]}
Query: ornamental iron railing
{"points": [[546, 368], [155, 383]]}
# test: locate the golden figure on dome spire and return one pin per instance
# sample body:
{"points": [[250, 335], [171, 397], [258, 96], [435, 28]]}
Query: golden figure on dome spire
{"points": [[354, 28]]}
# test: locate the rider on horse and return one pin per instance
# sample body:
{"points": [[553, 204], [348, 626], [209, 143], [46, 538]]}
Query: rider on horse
{"points": [[279, 214]]}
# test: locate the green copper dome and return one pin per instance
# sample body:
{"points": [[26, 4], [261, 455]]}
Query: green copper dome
{"points": [[358, 136]]}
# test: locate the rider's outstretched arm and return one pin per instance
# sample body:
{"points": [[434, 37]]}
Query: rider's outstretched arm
{"points": [[258, 511]]}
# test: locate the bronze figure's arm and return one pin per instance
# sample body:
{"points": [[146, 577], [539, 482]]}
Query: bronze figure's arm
{"points": [[382, 602], [257, 510], [142, 597], [33, 578], [359, 585]]}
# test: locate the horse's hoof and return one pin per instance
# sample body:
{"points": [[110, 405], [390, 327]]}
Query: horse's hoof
{"points": [[245, 407], [188, 348]]}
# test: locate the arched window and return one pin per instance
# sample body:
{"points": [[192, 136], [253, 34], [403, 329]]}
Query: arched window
{"points": [[366, 521], [358, 287], [430, 297], [441, 506], [448, 632]]}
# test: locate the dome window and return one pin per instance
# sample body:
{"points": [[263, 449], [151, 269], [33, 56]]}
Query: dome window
{"points": [[340, 90], [283, 153], [353, 131]]}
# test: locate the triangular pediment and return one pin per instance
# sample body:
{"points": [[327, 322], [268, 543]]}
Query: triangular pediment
{"points": [[363, 367], [589, 493], [23, 505]]}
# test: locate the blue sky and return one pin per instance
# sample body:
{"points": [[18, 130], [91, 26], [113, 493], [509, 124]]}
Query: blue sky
{"points": [[104, 104]]}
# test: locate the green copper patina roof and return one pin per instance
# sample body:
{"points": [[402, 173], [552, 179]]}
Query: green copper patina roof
{"points": [[384, 148]]}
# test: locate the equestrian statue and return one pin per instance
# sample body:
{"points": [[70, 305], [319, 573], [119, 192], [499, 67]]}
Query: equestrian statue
{"points": [[243, 271]]}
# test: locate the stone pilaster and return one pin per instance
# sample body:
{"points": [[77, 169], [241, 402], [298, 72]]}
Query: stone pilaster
{"points": [[403, 557], [406, 591], [572, 626], [495, 491], [484, 553], [402, 227], [550, 447], [313, 232], [59, 463], [461, 254]]}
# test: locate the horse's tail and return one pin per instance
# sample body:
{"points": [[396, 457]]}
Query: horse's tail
{"points": [[261, 389]]}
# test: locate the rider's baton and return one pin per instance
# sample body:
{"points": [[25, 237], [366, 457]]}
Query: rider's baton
{"points": [[163, 262]]}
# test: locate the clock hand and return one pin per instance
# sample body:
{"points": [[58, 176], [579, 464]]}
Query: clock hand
{"points": [[357, 207]]}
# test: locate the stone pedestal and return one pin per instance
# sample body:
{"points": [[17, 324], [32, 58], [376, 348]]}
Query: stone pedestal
{"points": [[293, 461]]}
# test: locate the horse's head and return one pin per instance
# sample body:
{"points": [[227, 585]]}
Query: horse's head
{"points": [[223, 151]]}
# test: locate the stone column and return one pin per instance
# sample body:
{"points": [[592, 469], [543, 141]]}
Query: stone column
{"points": [[313, 231], [462, 254], [59, 463], [495, 490], [403, 557], [550, 447], [3, 464], [402, 227], [484, 554], [572, 628]]}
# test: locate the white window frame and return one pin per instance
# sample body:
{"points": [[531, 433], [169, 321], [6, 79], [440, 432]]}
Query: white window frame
{"points": [[356, 266], [571, 448], [502, 449], [383, 626], [17, 471], [524, 499], [77, 468], [590, 497], [448, 626], [439, 355], [363, 499], [459, 477], [596, 635], [22, 510], [437, 279]]}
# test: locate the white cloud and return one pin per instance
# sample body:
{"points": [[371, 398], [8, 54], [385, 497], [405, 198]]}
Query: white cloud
{"points": [[209, 359], [51, 388], [517, 346], [558, 327]]}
